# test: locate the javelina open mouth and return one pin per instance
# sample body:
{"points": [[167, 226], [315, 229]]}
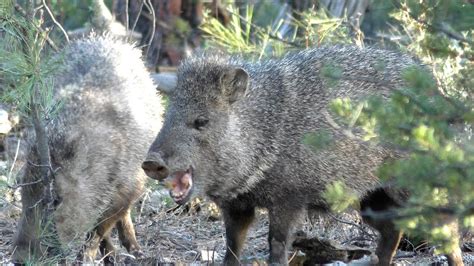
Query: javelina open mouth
{"points": [[180, 184]]}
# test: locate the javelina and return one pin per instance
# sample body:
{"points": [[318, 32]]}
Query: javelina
{"points": [[98, 138], [235, 130]]}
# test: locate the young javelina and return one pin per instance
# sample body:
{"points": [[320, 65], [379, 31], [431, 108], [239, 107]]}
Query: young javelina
{"points": [[108, 117], [235, 130]]}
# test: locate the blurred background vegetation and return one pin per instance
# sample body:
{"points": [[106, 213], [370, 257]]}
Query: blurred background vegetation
{"points": [[430, 120]]}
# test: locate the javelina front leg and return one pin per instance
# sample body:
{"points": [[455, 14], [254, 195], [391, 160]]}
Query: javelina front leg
{"points": [[94, 240], [389, 239], [281, 223], [126, 232], [107, 250], [237, 220], [89, 251]]}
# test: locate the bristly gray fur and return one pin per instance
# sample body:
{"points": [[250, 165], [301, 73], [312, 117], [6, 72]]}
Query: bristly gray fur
{"points": [[251, 152], [109, 117], [261, 135]]}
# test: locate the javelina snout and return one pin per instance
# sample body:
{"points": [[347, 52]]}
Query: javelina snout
{"points": [[155, 167]]}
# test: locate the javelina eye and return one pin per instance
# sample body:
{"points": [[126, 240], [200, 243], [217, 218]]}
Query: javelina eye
{"points": [[200, 123]]}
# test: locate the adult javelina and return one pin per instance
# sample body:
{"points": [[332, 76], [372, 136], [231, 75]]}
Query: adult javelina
{"points": [[109, 117], [234, 129]]}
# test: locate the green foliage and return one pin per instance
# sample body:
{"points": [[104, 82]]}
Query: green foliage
{"points": [[469, 221], [339, 197], [319, 27], [438, 167], [236, 37], [378, 18], [25, 69], [72, 14], [352, 115], [458, 14], [331, 73], [245, 37], [431, 120]]}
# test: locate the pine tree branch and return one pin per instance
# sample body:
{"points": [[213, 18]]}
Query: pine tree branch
{"points": [[271, 36], [442, 27], [22, 12]]}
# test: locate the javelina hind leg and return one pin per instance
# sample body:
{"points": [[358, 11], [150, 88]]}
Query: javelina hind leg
{"points": [[107, 250], [390, 236], [281, 223], [126, 232], [389, 239], [237, 219]]}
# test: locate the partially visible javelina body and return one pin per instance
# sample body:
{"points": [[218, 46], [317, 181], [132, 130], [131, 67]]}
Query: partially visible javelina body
{"points": [[108, 118], [234, 130]]}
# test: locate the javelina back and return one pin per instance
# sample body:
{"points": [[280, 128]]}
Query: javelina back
{"points": [[109, 117], [235, 130]]}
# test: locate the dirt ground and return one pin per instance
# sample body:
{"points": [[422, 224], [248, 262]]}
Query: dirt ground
{"points": [[183, 235], [180, 235]]}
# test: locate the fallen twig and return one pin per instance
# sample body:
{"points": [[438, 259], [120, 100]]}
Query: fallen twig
{"points": [[353, 224]]}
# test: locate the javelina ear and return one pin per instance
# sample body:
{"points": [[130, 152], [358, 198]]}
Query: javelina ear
{"points": [[165, 82], [234, 83]]}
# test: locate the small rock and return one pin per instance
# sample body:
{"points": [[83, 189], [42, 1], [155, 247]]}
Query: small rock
{"points": [[5, 124], [210, 255], [468, 258]]}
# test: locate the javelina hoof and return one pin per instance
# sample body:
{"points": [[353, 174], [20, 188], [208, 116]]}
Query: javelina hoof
{"points": [[374, 260], [109, 260], [134, 259], [138, 254]]}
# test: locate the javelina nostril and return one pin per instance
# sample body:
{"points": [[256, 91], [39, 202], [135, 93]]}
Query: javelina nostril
{"points": [[155, 169]]}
